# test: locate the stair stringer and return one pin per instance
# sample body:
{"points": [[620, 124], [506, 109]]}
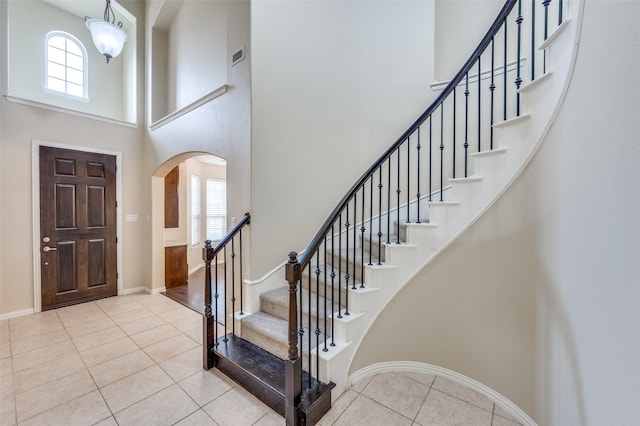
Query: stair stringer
{"points": [[495, 171]]}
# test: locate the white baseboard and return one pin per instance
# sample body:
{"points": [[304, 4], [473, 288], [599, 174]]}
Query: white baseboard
{"points": [[156, 290], [196, 269], [140, 289], [418, 367], [15, 314]]}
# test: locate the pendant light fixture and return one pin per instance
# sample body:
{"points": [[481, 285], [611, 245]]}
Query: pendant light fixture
{"points": [[108, 37]]}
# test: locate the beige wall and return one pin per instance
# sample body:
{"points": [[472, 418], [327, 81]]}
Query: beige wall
{"points": [[220, 127], [19, 126], [333, 85], [539, 299], [27, 50], [460, 25]]}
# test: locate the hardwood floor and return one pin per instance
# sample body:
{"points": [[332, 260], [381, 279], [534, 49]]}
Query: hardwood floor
{"points": [[192, 294]]}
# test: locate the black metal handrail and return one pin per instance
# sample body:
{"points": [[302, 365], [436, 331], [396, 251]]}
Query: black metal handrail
{"points": [[210, 255], [318, 239]]}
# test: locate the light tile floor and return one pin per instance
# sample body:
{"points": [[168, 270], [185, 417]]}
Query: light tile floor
{"points": [[136, 360]]}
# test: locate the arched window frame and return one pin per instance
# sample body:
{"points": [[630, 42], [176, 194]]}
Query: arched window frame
{"points": [[69, 38]]}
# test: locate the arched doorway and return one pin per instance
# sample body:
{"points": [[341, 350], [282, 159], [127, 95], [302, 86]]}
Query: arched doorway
{"points": [[189, 207]]}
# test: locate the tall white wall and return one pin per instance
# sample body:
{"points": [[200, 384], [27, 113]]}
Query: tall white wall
{"points": [[460, 25], [539, 299], [333, 85], [194, 71]]}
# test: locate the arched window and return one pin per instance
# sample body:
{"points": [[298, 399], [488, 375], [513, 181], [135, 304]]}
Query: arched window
{"points": [[66, 65]]}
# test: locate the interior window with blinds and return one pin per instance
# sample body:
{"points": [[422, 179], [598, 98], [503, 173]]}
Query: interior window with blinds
{"points": [[195, 209], [216, 209]]}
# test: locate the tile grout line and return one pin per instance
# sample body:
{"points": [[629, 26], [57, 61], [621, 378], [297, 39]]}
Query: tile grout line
{"points": [[13, 379], [59, 378], [466, 402], [425, 399]]}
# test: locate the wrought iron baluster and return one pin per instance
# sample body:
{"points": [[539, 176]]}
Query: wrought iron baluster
{"points": [[398, 191], [479, 105], [492, 88], [466, 123], [518, 81], [504, 90], [309, 287], [533, 40], [430, 157], [233, 286], [346, 274], [545, 3], [333, 277], [215, 299], [333, 259], [418, 180], [408, 180], [355, 239], [325, 296], [560, 13], [441, 148], [370, 218], [226, 293], [241, 276], [454, 135], [389, 201], [301, 328], [317, 315], [362, 230], [380, 214]]}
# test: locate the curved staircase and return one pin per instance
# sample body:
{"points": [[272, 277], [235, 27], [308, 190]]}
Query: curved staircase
{"points": [[384, 230]]}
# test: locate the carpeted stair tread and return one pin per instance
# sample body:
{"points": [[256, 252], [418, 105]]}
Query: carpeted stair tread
{"points": [[276, 303]]}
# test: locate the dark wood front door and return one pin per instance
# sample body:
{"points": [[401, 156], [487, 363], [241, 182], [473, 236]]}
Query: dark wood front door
{"points": [[77, 226]]}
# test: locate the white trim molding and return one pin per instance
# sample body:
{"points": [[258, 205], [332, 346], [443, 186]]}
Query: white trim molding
{"points": [[156, 290], [15, 314], [35, 193], [192, 106], [68, 111], [419, 367], [473, 78]]}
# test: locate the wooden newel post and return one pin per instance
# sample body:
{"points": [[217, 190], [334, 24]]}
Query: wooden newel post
{"points": [[208, 321], [293, 365]]}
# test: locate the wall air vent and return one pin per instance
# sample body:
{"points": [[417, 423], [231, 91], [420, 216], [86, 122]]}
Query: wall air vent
{"points": [[237, 56]]}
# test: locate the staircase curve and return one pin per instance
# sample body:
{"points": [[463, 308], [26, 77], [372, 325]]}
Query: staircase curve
{"points": [[421, 194]]}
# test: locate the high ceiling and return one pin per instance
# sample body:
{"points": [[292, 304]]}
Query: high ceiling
{"points": [[93, 9]]}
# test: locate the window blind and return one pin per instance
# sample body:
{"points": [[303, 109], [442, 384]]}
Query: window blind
{"points": [[216, 209], [195, 209]]}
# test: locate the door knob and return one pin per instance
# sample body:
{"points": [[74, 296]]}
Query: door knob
{"points": [[47, 249]]}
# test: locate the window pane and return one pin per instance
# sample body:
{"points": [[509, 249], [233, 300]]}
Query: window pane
{"points": [[72, 47], [216, 209], [65, 65], [74, 76], [56, 55], [56, 71], [75, 62], [216, 227], [195, 209], [55, 84], [57, 41], [75, 89]]}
